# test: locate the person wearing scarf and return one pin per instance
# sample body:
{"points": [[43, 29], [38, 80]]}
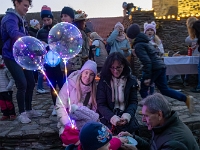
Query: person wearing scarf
{"points": [[118, 41], [117, 95]]}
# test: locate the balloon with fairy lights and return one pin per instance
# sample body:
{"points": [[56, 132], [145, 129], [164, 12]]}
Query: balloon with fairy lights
{"points": [[28, 52], [52, 58], [65, 39]]}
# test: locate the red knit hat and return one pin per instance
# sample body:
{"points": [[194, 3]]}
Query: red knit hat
{"points": [[46, 12]]}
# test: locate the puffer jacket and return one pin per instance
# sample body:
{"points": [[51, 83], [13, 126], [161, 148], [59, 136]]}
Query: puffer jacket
{"points": [[146, 53], [6, 80], [13, 26], [43, 33], [32, 31], [105, 105]]}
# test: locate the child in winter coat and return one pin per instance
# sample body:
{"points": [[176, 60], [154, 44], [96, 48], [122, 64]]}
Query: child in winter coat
{"points": [[150, 31], [96, 136], [6, 85]]}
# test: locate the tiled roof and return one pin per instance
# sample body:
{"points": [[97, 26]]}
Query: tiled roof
{"points": [[103, 26]]}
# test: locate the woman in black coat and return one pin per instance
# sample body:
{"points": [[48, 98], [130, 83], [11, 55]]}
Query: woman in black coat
{"points": [[117, 95]]}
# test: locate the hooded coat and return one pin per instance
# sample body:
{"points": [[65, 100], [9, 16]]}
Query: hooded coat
{"points": [[147, 55]]}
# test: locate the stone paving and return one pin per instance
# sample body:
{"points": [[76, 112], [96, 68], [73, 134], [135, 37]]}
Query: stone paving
{"points": [[42, 132]]}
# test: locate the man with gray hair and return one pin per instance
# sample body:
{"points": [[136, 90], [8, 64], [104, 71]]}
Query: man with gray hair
{"points": [[168, 131]]}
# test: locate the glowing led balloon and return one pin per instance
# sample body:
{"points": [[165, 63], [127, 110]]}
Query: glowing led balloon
{"points": [[52, 58], [28, 52], [65, 39]]}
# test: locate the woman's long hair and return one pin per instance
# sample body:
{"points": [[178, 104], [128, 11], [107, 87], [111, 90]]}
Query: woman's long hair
{"points": [[92, 94], [106, 73], [189, 23]]}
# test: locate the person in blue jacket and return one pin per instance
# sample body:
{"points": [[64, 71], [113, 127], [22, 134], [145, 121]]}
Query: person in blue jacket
{"points": [[13, 26], [118, 41]]}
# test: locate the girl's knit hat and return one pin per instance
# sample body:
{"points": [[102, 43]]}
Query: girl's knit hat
{"points": [[89, 65], [151, 25], [46, 12], [34, 22]]}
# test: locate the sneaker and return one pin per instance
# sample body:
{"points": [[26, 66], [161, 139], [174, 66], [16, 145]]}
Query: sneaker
{"points": [[54, 112], [40, 91], [33, 113], [140, 112], [12, 117], [44, 91], [23, 118], [195, 90], [189, 103], [4, 118]]}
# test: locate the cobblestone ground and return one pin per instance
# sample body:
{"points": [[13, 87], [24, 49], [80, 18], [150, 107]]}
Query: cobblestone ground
{"points": [[42, 132]]}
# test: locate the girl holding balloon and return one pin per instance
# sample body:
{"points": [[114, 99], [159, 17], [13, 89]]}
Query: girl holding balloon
{"points": [[80, 90]]}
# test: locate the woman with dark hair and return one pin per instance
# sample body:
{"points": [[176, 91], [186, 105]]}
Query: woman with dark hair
{"points": [[117, 95]]}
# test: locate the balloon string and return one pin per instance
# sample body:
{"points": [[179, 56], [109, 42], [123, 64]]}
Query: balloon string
{"points": [[71, 122], [69, 101]]}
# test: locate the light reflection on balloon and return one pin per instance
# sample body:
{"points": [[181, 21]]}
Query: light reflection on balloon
{"points": [[52, 58], [28, 53], [65, 39]]}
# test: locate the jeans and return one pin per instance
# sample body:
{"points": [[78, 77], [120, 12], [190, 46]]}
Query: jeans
{"points": [[25, 84], [56, 76], [40, 81], [151, 88], [160, 80], [198, 85]]}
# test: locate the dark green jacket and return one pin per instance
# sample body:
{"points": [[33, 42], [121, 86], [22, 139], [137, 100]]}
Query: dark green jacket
{"points": [[173, 135]]}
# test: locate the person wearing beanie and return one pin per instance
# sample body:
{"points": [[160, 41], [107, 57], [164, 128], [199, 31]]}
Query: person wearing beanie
{"points": [[150, 31], [99, 50], [95, 136], [67, 14], [117, 99], [98, 139], [81, 86], [34, 27], [118, 41], [12, 28], [55, 74], [154, 69], [46, 12], [80, 22]]}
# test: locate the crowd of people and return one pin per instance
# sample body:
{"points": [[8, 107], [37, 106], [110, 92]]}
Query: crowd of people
{"points": [[91, 115]]}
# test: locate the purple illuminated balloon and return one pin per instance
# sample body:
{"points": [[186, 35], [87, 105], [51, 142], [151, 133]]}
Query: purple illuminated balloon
{"points": [[65, 39], [28, 52]]}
